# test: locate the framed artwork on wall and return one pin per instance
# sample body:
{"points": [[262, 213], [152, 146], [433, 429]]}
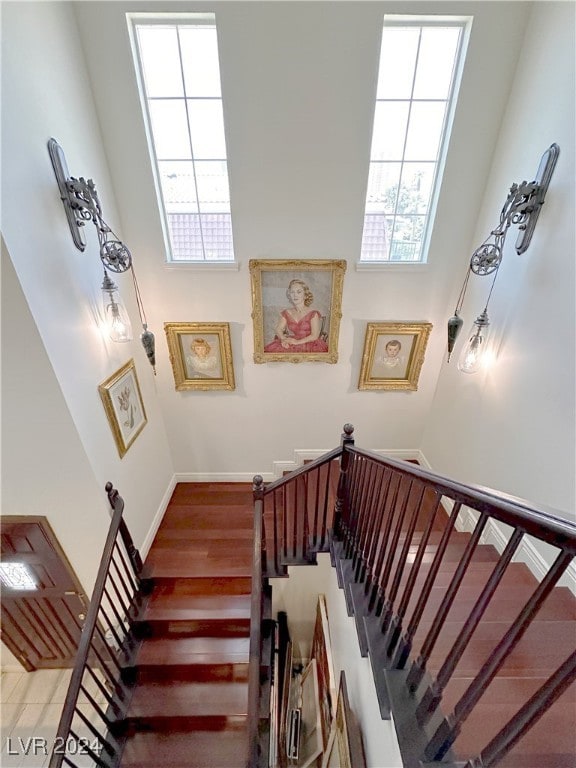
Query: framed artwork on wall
{"points": [[296, 309], [393, 355], [124, 406], [345, 748], [201, 355], [322, 652]]}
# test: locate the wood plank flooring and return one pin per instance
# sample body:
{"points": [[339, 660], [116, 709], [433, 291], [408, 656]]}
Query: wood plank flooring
{"points": [[190, 702]]}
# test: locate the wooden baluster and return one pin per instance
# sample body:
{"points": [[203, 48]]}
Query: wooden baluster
{"points": [[529, 714], [433, 695], [400, 658], [446, 604], [377, 541], [392, 620], [375, 597], [417, 669], [449, 729], [325, 495], [356, 483], [400, 515], [359, 560], [341, 507]]}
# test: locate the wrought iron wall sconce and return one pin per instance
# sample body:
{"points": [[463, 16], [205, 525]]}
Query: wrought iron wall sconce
{"points": [[522, 208], [81, 204]]}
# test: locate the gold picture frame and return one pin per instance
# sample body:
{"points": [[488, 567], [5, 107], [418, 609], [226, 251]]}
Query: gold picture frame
{"points": [[296, 300], [124, 407], [201, 355], [393, 355]]}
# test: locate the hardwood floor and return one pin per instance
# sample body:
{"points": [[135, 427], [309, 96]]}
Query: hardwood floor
{"points": [[190, 702]]}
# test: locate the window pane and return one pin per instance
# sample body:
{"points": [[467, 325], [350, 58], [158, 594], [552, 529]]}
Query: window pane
{"points": [[185, 237], [170, 129], [217, 234], [397, 62], [160, 61], [200, 61], [436, 62], [390, 119], [407, 238], [383, 181], [178, 187], [207, 129], [195, 238], [212, 184], [416, 187], [425, 130], [375, 237]]}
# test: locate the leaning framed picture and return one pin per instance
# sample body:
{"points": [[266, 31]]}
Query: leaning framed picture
{"points": [[124, 406], [345, 748], [201, 355], [393, 355], [296, 309]]}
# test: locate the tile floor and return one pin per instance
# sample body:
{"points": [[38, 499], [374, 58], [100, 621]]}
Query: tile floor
{"points": [[30, 707]]}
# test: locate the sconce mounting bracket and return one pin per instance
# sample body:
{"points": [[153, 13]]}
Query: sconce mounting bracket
{"points": [[81, 204]]}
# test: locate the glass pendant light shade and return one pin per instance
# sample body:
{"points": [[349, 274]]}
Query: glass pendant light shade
{"points": [[117, 320], [473, 352]]}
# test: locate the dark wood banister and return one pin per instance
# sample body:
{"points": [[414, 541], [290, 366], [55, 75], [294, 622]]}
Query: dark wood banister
{"points": [[117, 527], [525, 518], [533, 519], [256, 617]]}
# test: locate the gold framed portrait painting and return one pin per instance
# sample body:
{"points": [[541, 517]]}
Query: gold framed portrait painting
{"points": [[201, 355], [296, 309], [393, 355], [124, 407]]}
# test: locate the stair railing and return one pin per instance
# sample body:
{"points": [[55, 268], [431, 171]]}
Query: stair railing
{"points": [[96, 696], [381, 516]]}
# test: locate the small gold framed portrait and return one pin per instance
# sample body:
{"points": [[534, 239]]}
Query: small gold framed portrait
{"points": [[296, 309], [201, 355], [393, 355], [122, 401]]}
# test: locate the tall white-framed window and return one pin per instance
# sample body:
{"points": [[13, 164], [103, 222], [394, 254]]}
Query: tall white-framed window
{"points": [[421, 59], [178, 70]]}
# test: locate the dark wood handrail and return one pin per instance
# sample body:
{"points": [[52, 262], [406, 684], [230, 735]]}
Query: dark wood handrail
{"points": [[535, 520], [390, 573], [256, 616], [302, 471], [92, 642]]}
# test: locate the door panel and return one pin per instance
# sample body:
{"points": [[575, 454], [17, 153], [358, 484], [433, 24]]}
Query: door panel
{"points": [[41, 626]]}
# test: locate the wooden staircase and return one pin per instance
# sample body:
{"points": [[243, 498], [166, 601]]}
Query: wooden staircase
{"points": [[190, 668]]}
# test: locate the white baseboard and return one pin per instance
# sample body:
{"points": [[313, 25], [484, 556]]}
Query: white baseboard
{"points": [[494, 534], [302, 455], [221, 477], [147, 543]]}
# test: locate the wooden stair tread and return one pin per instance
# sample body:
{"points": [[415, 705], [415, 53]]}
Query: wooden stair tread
{"points": [[193, 650], [198, 749], [183, 607], [188, 699], [202, 585], [547, 745], [542, 649], [163, 563]]}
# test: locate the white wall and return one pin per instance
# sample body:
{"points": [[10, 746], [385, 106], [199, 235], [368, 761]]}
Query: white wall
{"points": [[512, 427], [298, 82], [298, 596], [46, 93]]}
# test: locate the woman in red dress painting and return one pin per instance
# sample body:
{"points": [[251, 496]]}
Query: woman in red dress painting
{"points": [[298, 328]]}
